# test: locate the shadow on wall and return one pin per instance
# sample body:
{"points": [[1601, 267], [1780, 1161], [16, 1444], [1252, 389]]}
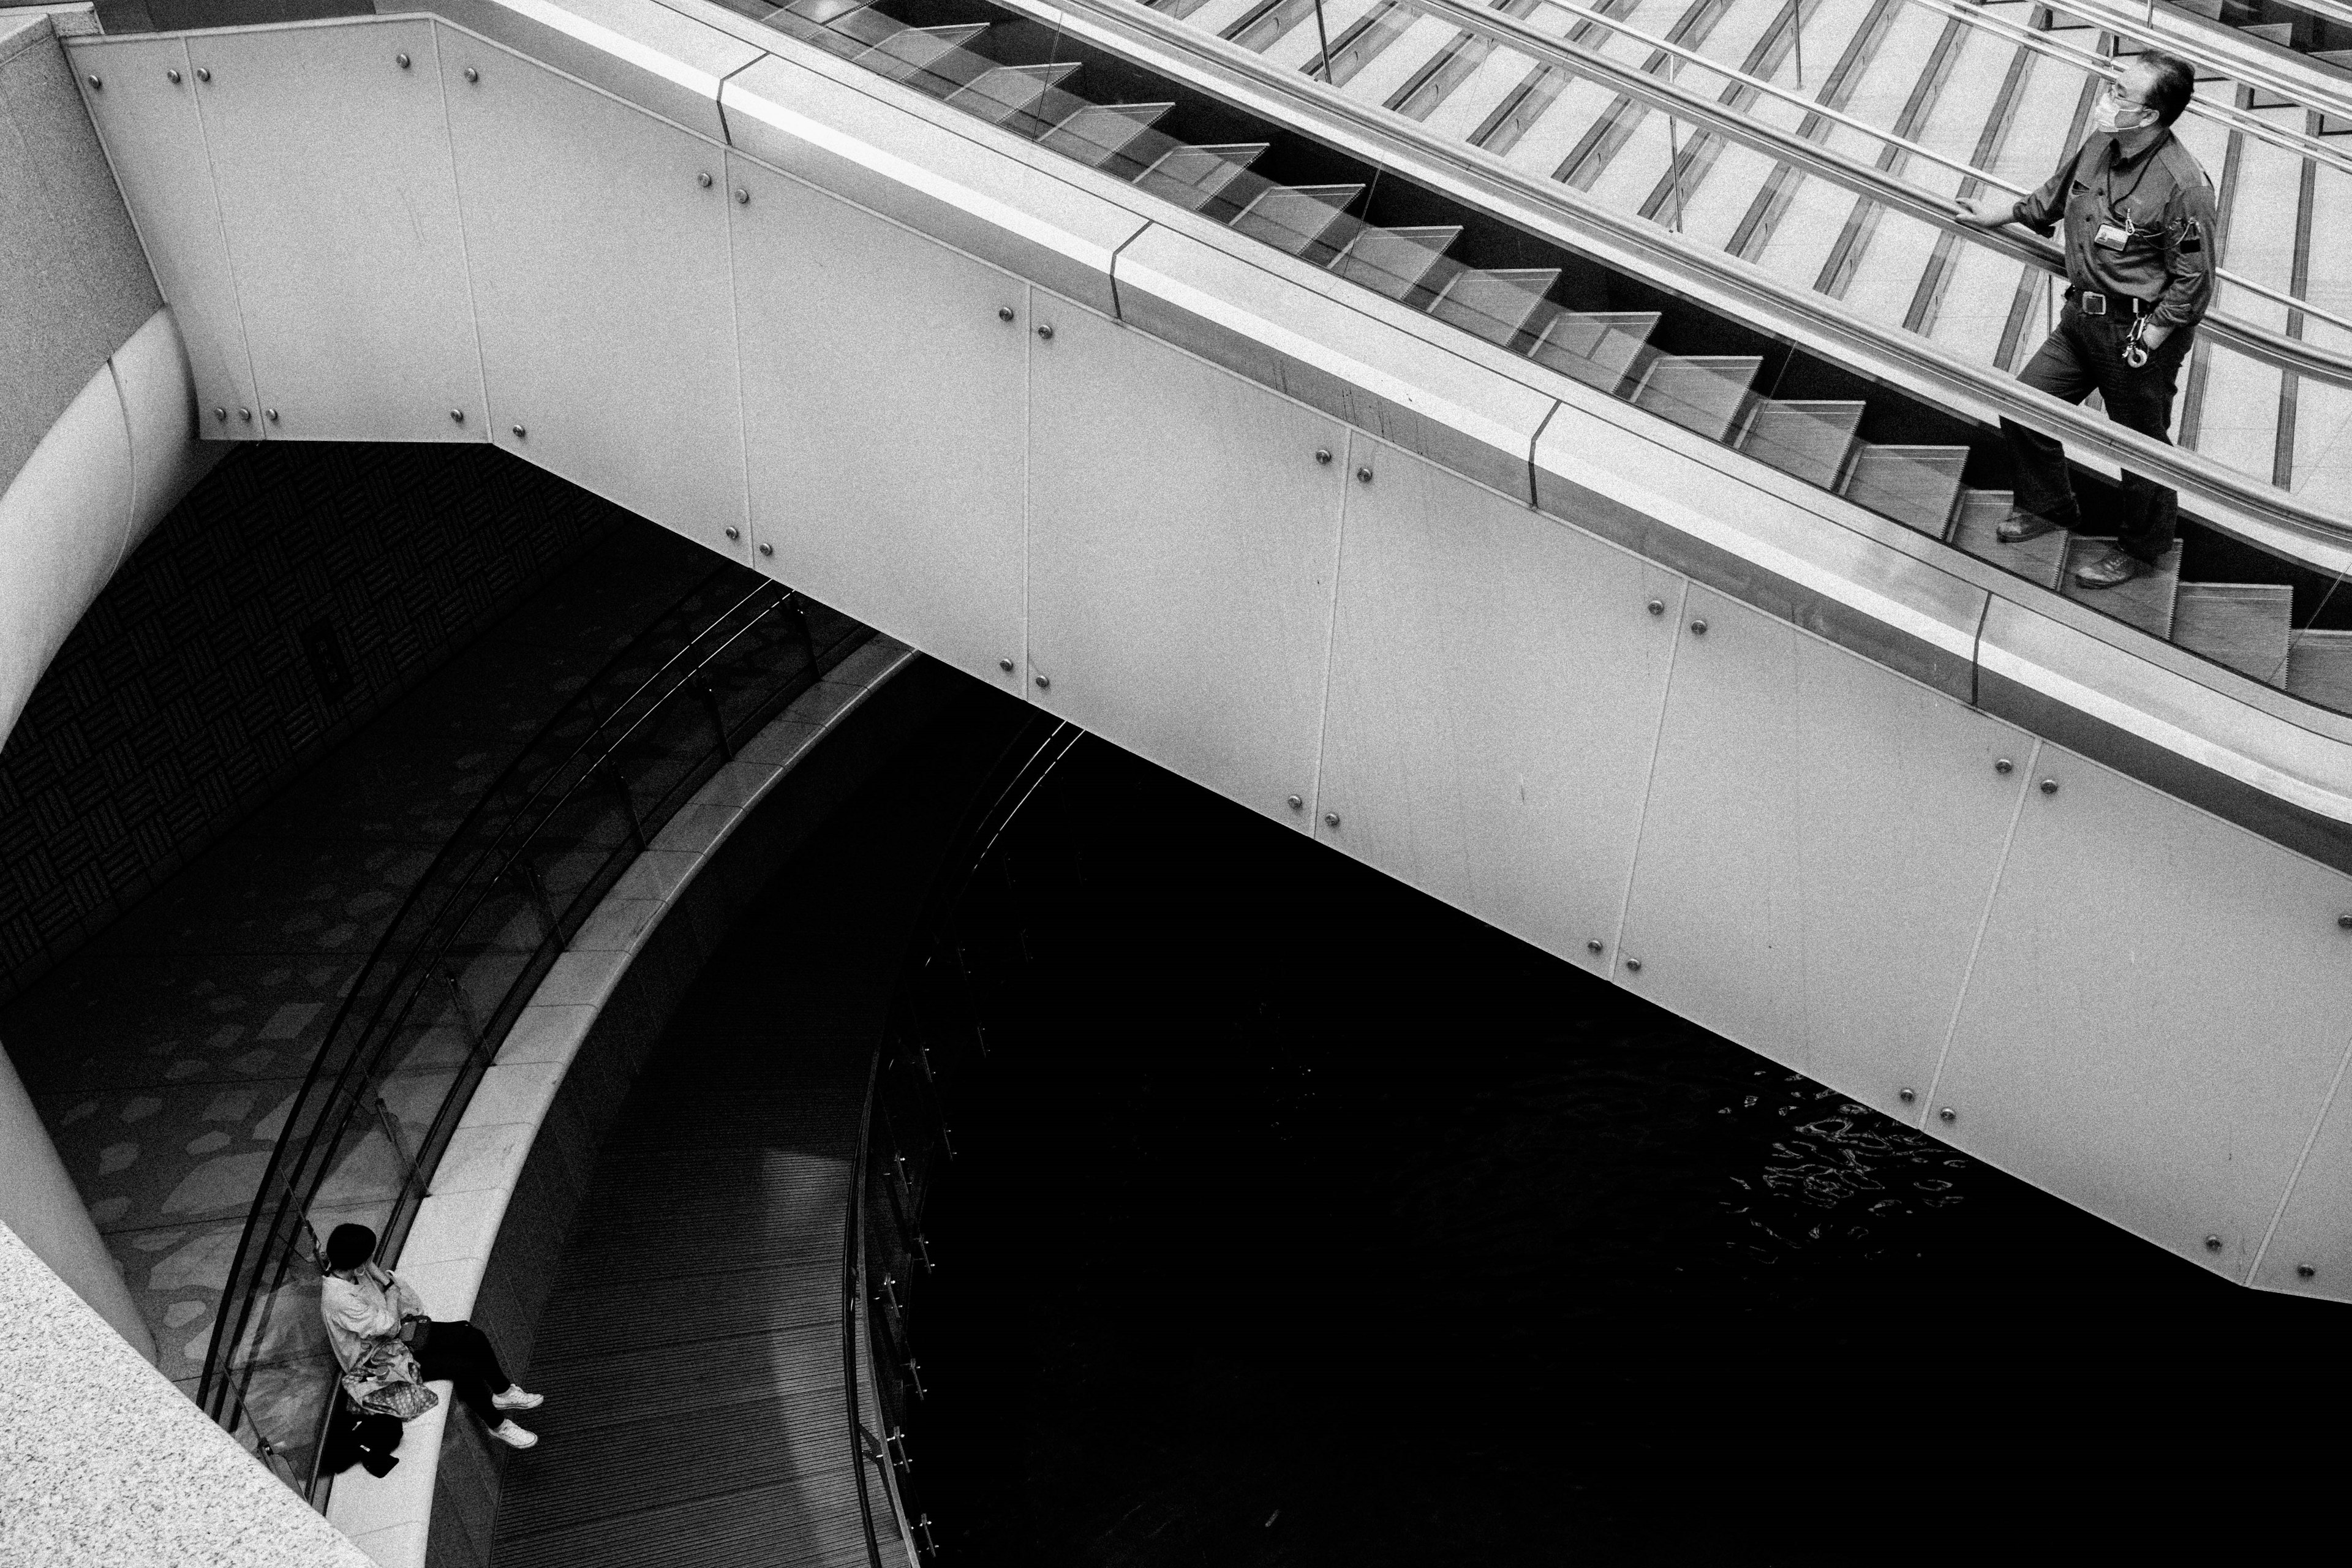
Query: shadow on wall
{"points": [[295, 593]]}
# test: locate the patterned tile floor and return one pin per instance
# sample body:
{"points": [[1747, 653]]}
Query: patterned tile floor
{"points": [[164, 1056]]}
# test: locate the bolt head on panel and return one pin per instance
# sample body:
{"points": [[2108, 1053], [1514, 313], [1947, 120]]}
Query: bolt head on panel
{"points": [[1298, 803], [1006, 664], [2305, 1272], [1948, 1115], [766, 549], [1005, 313], [1364, 476], [742, 198], [172, 76], [2212, 1243], [403, 57], [2049, 786], [520, 433], [733, 532], [203, 73], [1634, 967], [1044, 683], [1330, 820], [1657, 606], [2003, 765], [1906, 1095], [97, 82], [1593, 946], [472, 74], [1699, 628]]}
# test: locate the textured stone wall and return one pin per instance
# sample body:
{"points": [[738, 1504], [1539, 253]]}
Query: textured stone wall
{"points": [[293, 593]]}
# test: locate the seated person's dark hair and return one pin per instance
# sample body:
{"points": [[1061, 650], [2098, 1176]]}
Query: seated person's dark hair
{"points": [[349, 1245], [2171, 88]]}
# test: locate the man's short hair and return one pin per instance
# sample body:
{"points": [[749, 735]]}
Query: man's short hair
{"points": [[2171, 83]]}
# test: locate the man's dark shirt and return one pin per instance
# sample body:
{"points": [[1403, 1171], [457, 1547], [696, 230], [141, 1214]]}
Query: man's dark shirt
{"points": [[2164, 203]]}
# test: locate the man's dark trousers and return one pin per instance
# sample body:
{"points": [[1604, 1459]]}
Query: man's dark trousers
{"points": [[2084, 355]]}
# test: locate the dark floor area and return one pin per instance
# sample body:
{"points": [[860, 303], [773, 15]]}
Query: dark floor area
{"points": [[691, 1351], [1300, 1220]]}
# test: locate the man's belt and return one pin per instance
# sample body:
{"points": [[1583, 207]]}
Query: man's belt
{"points": [[2091, 303]]}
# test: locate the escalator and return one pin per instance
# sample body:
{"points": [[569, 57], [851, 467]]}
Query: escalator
{"points": [[1939, 470]]}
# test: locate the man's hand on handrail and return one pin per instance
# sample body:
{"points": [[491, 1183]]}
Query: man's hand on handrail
{"points": [[1978, 213]]}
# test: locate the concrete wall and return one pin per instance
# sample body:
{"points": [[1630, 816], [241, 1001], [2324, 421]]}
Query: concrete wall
{"points": [[1728, 741]]}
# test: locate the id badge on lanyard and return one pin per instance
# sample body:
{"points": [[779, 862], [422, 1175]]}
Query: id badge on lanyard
{"points": [[2114, 237]]}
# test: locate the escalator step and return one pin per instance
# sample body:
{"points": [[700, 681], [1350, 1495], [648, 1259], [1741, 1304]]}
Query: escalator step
{"points": [[2319, 668], [1296, 219], [1495, 305], [1918, 487], [1978, 533], [2242, 624], [933, 60], [1003, 92], [1394, 261], [1192, 177], [1102, 135], [1804, 437], [2144, 602], [1598, 348], [1698, 391]]}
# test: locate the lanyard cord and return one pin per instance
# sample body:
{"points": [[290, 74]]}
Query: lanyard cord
{"points": [[2109, 172]]}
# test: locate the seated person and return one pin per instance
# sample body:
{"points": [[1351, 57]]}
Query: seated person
{"points": [[377, 1323]]}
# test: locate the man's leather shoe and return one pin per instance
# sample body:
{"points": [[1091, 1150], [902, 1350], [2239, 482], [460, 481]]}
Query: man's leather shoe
{"points": [[2114, 568], [2020, 526]]}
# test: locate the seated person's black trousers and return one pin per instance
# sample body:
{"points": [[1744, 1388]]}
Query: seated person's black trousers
{"points": [[462, 1354], [2082, 355]]}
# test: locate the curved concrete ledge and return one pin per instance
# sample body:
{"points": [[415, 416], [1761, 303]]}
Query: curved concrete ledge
{"points": [[501, 1202], [119, 457]]}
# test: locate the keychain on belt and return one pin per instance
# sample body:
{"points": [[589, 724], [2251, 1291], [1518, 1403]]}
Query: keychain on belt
{"points": [[2134, 350]]}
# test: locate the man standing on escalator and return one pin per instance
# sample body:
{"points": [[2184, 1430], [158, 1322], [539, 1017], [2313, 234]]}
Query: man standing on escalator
{"points": [[2140, 236]]}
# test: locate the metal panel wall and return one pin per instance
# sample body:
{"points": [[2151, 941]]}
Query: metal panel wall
{"points": [[1497, 681], [154, 137], [1806, 886], [2159, 1007], [886, 412], [603, 288], [1183, 539], [331, 161], [2310, 1246]]}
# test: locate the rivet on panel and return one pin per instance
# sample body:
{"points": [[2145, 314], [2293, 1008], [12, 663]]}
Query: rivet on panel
{"points": [[245, 414], [2344, 923], [1633, 965], [1593, 945], [2049, 786], [1046, 331], [456, 416], [2305, 1272], [1699, 628], [1906, 1095], [1657, 606], [270, 415], [172, 76], [742, 198], [403, 59], [2003, 765], [520, 433], [1006, 664], [203, 73], [733, 532], [703, 179], [766, 549], [1044, 683], [1005, 313], [1330, 820], [1364, 476], [97, 82], [1948, 1115], [473, 75], [1298, 803], [220, 414], [2212, 1243], [1323, 454]]}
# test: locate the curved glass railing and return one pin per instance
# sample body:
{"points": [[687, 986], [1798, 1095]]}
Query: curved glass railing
{"points": [[932, 1039], [482, 927], [1648, 338]]}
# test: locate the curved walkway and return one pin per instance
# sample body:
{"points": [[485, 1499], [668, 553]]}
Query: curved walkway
{"points": [[690, 1349], [163, 1056]]}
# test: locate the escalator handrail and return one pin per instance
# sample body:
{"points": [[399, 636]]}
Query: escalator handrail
{"points": [[1868, 180], [2226, 115], [2236, 504]]}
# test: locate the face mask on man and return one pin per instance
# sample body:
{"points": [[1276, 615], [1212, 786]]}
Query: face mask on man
{"points": [[2112, 116]]}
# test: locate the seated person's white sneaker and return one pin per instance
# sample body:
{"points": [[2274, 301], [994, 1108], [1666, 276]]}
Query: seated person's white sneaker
{"points": [[514, 1398], [512, 1435]]}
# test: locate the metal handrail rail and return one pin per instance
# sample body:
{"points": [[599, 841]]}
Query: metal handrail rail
{"points": [[1868, 180], [503, 855], [2262, 514], [2227, 115]]}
